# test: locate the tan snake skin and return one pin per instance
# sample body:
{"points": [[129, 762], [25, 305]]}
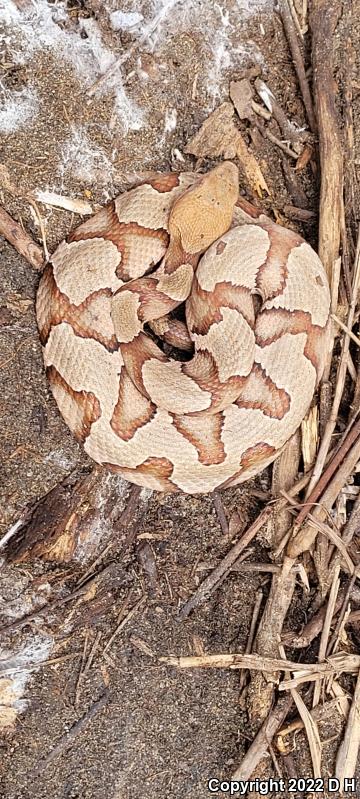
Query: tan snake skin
{"points": [[221, 416]]}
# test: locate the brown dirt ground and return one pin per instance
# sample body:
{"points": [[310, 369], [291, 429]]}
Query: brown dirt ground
{"points": [[164, 732]]}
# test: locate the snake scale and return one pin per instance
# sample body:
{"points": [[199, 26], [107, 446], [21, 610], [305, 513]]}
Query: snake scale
{"points": [[256, 333]]}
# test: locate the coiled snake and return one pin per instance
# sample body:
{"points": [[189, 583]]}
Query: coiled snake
{"points": [[221, 416]]}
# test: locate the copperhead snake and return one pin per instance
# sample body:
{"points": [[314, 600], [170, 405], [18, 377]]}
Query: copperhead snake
{"points": [[220, 417]]}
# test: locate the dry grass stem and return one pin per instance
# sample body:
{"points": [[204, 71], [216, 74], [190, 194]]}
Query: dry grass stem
{"points": [[138, 606], [311, 730], [341, 662], [347, 756], [326, 530], [305, 537], [251, 636], [325, 633], [40, 223], [346, 330]]}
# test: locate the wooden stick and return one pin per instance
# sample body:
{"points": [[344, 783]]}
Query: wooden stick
{"points": [[335, 636], [295, 18], [341, 662], [219, 574], [251, 636], [306, 536], [220, 512], [335, 539], [346, 329], [23, 243], [261, 697], [260, 744], [300, 214], [325, 478], [274, 139], [323, 18], [340, 379], [213, 580], [293, 43], [138, 605], [313, 628], [289, 131]]}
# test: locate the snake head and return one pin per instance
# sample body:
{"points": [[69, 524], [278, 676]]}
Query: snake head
{"points": [[205, 211]]}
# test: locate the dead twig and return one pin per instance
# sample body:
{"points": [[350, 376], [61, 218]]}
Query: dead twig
{"points": [[293, 43], [339, 663], [313, 628], [299, 214], [274, 139], [263, 739], [22, 241], [220, 512], [289, 131], [340, 379], [221, 571], [261, 693], [323, 18], [335, 637], [81, 670], [305, 537], [329, 533], [70, 735], [266, 568], [333, 465], [251, 636], [39, 222], [141, 602], [346, 330], [326, 629], [267, 640]]}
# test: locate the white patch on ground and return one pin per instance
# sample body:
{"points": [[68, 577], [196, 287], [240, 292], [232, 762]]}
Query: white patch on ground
{"points": [[125, 21], [59, 458], [170, 120], [15, 670], [100, 528], [40, 26], [250, 7], [17, 597], [83, 159], [17, 108], [130, 114], [217, 24]]}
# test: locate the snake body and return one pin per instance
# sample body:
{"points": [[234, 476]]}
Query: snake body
{"points": [[220, 417]]}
